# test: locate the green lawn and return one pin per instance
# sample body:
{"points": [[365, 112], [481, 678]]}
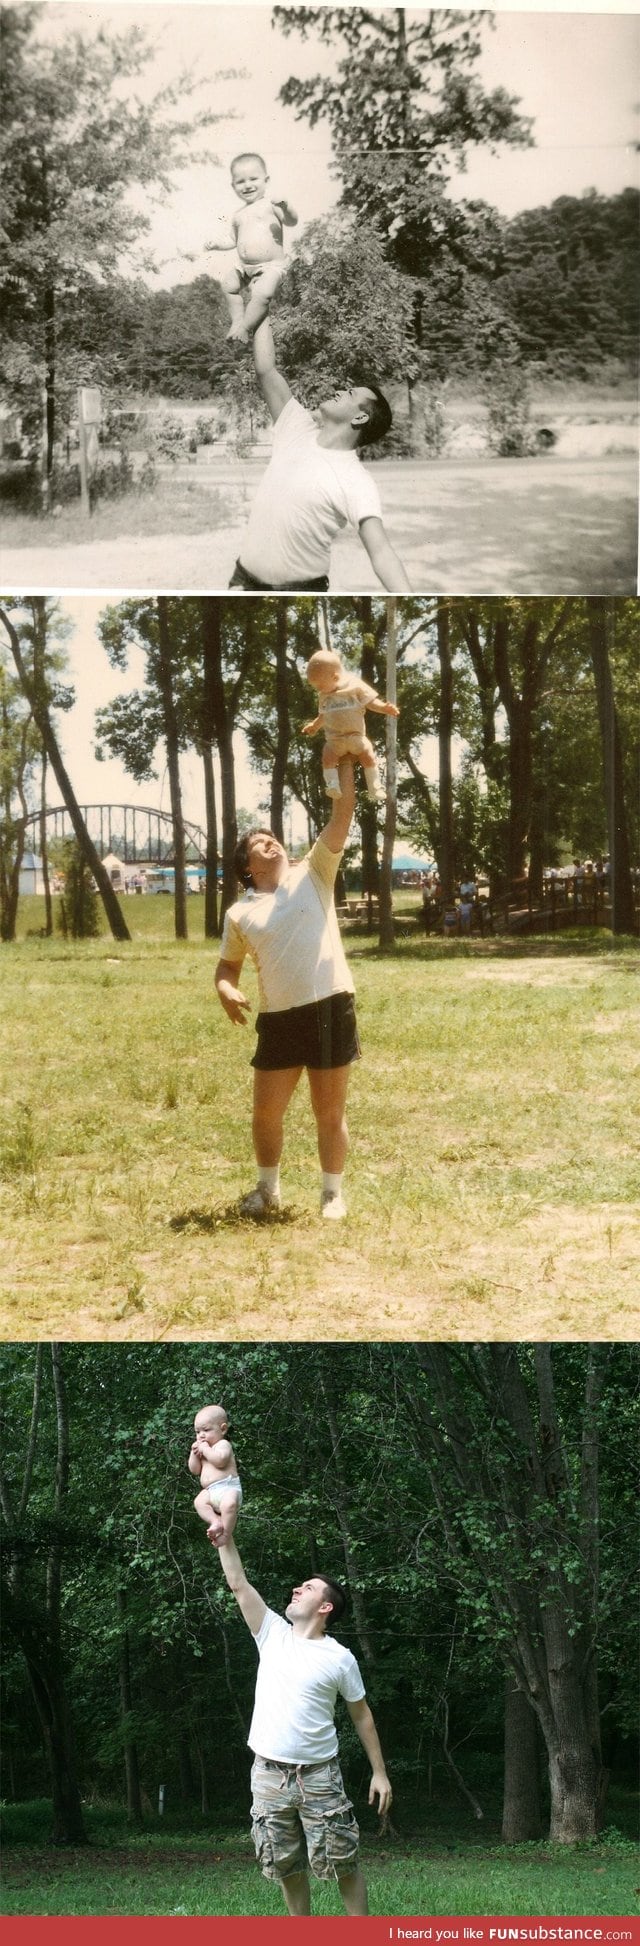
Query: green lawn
{"points": [[494, 1173], [198, 1872]]}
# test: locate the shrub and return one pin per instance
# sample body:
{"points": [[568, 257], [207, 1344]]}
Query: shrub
{"points": [[507, 394]]}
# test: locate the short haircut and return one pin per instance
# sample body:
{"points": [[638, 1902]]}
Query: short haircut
{"points": [[249, 155], [337, 1597], [241, 853], [380, 416]]}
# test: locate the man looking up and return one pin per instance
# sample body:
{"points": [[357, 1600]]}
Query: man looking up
{"points": [[287, 923], [314, 485], [301, 1817]]}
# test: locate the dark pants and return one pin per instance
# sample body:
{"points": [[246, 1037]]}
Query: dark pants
{"points": [[241, 578]]}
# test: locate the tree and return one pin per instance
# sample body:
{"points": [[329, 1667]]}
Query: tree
{"points": [[73, 144], [535, 1564], [41, 695], [403, 105], [33, 1615], [622, 905], [391, 804]]}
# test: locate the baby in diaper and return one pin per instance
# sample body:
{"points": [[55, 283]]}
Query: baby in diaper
{"points": [[212, 1460], [343, 699]]}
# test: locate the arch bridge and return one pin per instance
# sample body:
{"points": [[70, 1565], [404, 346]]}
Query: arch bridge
{"points": [[137, 833]]}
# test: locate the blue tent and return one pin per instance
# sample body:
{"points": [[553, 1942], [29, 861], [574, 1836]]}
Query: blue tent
{"points": [[406, 861]]}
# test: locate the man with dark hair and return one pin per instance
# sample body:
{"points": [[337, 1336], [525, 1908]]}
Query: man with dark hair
{"points": [[301, 1817], [287, 924], [314, 485]]}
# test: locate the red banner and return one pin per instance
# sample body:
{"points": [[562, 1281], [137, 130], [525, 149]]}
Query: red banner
{"points": [[440, 1931]]}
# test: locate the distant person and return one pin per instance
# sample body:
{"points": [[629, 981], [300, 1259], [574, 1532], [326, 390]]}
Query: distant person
{"points": [[302, 1819], [287, 923], [255, 233], [344, 698], [313, 486], [212, 1460]]}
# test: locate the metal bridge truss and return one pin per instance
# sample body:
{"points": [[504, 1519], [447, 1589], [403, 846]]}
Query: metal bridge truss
{"points": [[136, 833]]}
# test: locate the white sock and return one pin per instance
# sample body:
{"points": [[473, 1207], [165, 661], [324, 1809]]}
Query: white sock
{"points": [[371, 781], [332, 782], [331, 1185], [269, 1179]]}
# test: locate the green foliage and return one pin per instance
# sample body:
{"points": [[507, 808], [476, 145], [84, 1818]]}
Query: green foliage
{"points": [[508, 396]]}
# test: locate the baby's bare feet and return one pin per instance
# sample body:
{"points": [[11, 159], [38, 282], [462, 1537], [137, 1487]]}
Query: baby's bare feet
{"points": [[239, 334]]}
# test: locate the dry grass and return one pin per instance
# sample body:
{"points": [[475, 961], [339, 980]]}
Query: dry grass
{"points": [[492, 1185]]}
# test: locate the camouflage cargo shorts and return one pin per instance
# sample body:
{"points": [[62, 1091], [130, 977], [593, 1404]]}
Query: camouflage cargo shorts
{"points": [[300, 1818]]}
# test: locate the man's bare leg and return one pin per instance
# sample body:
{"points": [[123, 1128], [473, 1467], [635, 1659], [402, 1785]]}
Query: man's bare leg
{"points": [[296, 1894], [354, 1892], [328, 1087], [272, 1091]]}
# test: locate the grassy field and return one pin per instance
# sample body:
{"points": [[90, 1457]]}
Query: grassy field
{"points": [[196, 1871], [494, 1173]]}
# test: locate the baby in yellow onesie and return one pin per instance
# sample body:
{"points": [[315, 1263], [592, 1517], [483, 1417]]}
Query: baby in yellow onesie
{"points": [[343, 699]]}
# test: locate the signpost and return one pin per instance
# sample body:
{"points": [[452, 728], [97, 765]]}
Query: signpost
{"points": [[89, 417]]}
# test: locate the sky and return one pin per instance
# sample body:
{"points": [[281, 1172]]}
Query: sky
{"points": [[574, 72]]}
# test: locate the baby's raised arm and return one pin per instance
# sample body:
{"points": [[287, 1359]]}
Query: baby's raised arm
{"points": [[194, 1461], [285, 210]]}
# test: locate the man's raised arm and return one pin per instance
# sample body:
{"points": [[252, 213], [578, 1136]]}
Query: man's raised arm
{"points": [[250, 1603], [336, 832], [273, 384]]}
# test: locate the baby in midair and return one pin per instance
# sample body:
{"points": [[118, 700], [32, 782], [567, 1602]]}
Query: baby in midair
{"points": [[212, 1460], [255, 233], [343, 699]]}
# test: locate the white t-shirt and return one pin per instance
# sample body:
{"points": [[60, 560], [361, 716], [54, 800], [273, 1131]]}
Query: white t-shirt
{"points": [[297, 1687], [306, 495], [292, 935]]}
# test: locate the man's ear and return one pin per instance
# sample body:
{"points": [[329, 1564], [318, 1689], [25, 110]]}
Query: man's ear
{"points": [[360, 418]]}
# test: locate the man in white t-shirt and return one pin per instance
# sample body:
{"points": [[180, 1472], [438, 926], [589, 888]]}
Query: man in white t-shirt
{"points": [[287, 924], [314, 485], [301, 1817]]}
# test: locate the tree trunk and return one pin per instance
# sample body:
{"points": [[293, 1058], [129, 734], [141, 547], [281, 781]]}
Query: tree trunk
{"points": [[622, 903], [223, 721], [446, 861], [47, 1684], [279, 772], [387, 929], [211, 880], [521, 1813], [41, 717], [131, 1766], [44, 849], [49, 384], [368, 819], [170, 720]]}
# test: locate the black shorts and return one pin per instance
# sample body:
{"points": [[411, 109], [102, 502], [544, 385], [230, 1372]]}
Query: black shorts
{"points": [[241, 578], [322, 1035]]}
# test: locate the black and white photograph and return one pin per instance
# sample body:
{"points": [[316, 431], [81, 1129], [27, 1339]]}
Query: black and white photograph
{"points": [[319, 297]]}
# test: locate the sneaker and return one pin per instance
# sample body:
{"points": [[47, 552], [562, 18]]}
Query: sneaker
{"points": [[259, 1202], [332, 1205]]}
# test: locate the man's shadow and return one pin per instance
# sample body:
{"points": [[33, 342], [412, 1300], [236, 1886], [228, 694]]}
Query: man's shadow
{"points": [[228, 1216]]}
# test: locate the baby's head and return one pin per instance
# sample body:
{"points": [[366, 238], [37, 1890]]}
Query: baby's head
{"points": [[249, 177], [324, 670], [212, 1421]]}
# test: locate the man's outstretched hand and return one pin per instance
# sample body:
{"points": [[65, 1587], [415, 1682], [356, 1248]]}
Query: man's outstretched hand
{"points": [[380, 1788]]}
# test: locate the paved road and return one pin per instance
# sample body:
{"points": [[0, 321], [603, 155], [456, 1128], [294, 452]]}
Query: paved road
{"points": [[543, 526]]}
